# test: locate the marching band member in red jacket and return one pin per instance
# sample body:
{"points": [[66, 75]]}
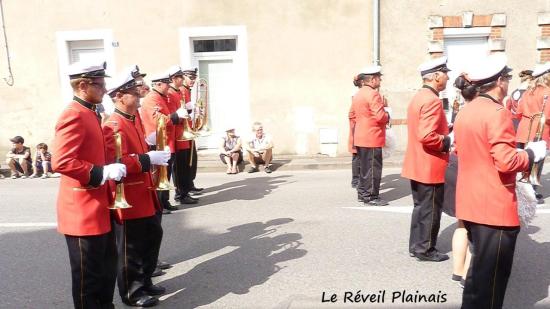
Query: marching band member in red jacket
{"points": [[488, 162], [139, 232], [426, 160], [369, 133], [180, 166], [79, 154], [155, 105]]}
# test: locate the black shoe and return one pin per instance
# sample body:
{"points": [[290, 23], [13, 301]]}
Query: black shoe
{"points": [[192, 193], [253, 169], [538, 196], [157, 272], [268, 170], [166, 211], [540, 201], [195, 189], [171, 208], [189, 200], [143, 301], [154, 290], [163, 265], [456, 277], [462, 283], [431, 257], [377, 202]]}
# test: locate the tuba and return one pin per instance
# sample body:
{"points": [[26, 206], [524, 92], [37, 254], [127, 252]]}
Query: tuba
{"points": [[200, 119], [533, 176], [163, 183], [120, 200]]}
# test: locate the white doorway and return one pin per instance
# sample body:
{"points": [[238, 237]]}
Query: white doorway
{"points": [[220, 55], [462, 47], [88, 45]]}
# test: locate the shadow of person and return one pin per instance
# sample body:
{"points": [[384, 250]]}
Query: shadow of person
{"points": [[398, 186], [530, 277], [244, 189], [545, 183], [252, 263], [445, 238]]}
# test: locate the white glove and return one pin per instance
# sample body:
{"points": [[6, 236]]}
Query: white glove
{"points": [[189, 105], [182, 113], [539, 148], [159, 157], [151, 139], [451, 137], [388, 110], [113, 171]]}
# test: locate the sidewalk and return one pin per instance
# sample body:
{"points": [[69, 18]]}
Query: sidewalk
{"points": [[211, 163]]}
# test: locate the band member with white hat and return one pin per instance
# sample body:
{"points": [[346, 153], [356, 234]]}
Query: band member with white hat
{"points": [[139, 231], [369, 133], [189, 78], [155, 105], [181, 169], [426, 159], [84, 195], [488, 162]]}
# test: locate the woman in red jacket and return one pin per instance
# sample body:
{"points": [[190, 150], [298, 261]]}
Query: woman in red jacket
{"points": [[488, 162]]}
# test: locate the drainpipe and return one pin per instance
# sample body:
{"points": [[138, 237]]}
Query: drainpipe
{"points": [[376, 32]]}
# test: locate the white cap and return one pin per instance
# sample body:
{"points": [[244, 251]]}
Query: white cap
{"points": [[489, 69], [434, 65], [162, 77], [87, 69], [190, 71], [541, 69], [371, 70], [123, 82], [175, 70], [229, 129]]}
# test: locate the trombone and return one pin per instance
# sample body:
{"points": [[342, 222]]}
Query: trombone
{"points": [[120, 200], [163, 183], [533, 176]]}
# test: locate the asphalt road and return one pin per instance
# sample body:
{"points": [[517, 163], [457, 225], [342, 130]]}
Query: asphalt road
{"points": [[283, 240]]}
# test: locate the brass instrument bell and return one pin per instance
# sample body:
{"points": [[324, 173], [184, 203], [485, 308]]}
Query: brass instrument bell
{"points": [[120, 199]]}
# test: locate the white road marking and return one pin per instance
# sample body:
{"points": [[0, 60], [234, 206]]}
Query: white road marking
{"points": [[408, 209]]}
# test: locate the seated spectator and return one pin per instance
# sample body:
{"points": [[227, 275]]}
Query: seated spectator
{"points": [[42, 162], [19, 158], [230, 151], [259, 149]]}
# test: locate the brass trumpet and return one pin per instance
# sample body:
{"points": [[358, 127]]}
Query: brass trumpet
{"points": [[186, 135], [533, 176], [120, 199], [163, 184]]}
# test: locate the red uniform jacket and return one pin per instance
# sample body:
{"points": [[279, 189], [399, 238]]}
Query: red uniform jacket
{"points": [[79, 155], [149, 117], [488, 162], [138, 184], [370, 118], [351, 117], [531, 103], [426, 156], [174, 103]]}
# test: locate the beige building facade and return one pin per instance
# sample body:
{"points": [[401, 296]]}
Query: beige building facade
{"points": [[288, 64], [414, 31]]}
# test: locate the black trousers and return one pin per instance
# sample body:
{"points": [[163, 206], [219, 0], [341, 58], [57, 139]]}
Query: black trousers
{"points": [[93, 269], [193, 163], [164, 196], [355, 169], [370, 162], [492, 250], [426, 216], [138, 244], [182, 173]]}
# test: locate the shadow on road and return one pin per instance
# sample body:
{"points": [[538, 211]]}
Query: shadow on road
{"points": [[252, 263], [256, 188], [398, 186]]}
